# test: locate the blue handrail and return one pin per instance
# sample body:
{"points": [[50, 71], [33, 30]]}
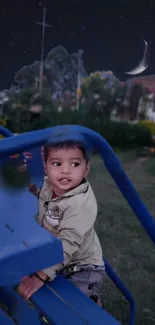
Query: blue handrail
{"points": [[120, 285], [7, 133]]}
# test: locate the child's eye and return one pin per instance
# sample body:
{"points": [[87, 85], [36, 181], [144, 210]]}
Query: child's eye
{"points": [[57, 163], [75, 164]]}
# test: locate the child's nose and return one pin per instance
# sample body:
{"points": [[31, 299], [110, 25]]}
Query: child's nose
{"points": [[65, 169]]}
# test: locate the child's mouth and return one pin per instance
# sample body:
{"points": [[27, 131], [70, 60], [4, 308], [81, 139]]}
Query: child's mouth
{"points": [[64, 180]]}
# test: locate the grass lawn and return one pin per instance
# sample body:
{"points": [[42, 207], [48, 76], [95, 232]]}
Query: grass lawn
{"points": [[125, 244]]}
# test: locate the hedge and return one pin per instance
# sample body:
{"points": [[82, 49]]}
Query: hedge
{"points": [[122, 134], [119, 134], [3, 122], [149, 124]]}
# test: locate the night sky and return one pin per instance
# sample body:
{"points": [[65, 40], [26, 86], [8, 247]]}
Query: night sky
{"points": [[109, 31]]}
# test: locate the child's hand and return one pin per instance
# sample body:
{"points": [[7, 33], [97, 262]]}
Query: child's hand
{"points": [[29, 286]]}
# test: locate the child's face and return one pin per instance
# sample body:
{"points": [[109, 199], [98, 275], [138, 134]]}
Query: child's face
{"points": [[65, 168]]}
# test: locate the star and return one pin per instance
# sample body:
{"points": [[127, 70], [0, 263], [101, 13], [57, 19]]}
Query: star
{"points": [[123, 17], [20, 7]]}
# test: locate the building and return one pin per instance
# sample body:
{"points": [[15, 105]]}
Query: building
{"points": [[148, 105], [147, 82]]}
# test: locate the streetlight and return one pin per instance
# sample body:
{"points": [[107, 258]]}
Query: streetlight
{"points": [[80, 52]]}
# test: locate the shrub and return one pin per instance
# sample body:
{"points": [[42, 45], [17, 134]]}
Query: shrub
{"points": [[122, 134], [118, 134], [149, 124], [3, 122]]}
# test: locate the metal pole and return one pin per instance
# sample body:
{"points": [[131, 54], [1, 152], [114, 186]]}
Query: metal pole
{"points": [[42, 52], [43, 24]]}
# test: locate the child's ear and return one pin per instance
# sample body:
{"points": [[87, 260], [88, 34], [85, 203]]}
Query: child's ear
{"points": [[87, 170]]}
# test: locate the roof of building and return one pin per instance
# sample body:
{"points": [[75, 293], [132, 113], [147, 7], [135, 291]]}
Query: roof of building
{"points": [[146, 81]]}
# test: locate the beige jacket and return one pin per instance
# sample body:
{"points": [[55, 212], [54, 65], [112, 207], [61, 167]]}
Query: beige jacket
{"points": [[71, 217]]}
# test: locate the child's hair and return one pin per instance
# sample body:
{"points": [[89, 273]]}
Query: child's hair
{"points": [[65, 145]]}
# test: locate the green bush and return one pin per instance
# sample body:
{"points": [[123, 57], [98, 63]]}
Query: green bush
{"points": [[124, 135], [121, 135], [118, 134]]}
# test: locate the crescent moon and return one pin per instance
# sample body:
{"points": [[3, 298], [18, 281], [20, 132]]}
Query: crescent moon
{"points": [[142, 66]]}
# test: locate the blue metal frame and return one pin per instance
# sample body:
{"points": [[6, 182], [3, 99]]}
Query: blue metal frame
{"points": [[7, 133], [120, 285], [38, 138]]}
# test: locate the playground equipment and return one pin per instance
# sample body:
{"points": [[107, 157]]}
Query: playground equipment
{"points": [[23, 241]]}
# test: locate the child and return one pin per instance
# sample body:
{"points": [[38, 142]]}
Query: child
{"points": [[68, 208]]}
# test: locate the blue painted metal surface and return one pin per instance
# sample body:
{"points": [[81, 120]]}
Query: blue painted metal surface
{"points": [[22, 241], [7, 133], [18, 309], [5, 319], [59, 303]]}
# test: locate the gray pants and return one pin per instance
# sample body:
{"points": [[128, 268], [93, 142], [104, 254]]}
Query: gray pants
{"points": [[88, 278]]}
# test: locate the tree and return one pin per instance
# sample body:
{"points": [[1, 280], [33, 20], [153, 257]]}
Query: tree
{"points": [[27, 76], [59, 73], [100, 92], [65, 68], [28, 111]]}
